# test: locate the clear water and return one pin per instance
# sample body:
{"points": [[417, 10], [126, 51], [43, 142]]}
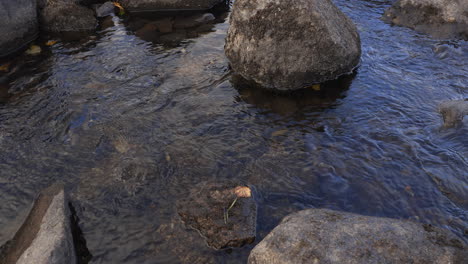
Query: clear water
{"points": [[130, 126]]}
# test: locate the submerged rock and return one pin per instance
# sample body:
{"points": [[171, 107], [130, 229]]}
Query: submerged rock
{"points": [[440, 18], [45, 237], [65, 16], [155, 5], [18, 25], [326, 236], [224, 213], [453, 112], [174, 37], [288, 45], [193, 21], [148, 32]]}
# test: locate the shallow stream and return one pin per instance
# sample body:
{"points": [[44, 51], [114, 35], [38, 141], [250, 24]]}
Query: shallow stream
{"points": [[131, 126]]}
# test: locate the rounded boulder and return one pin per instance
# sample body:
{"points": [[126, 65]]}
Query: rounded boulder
{"points": [[289, 45]]}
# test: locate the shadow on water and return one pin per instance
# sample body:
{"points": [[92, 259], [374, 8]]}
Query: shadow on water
{"points": [[315, 98], [4, 94], [170, 28]]}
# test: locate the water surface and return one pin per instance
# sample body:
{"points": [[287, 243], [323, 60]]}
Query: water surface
{"points": [[131, 126]]}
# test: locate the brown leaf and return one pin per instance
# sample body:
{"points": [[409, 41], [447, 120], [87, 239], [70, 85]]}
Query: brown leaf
{"points": [[243, 192]]}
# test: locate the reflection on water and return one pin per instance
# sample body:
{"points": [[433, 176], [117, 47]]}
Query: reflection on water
{"points": [[131, 126], [301, 102]]}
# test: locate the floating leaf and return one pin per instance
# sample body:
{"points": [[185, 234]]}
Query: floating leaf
{"points": [[5, 67], [243, 192], [51, 43], [34, 50]]}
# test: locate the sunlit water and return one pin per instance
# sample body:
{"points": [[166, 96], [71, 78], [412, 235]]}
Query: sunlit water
{"points": [[131, 126]]}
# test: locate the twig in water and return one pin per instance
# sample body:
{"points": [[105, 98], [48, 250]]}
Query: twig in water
{"points": [[226, 212]]}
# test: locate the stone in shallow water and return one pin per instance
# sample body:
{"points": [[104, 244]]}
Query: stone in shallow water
{"points": [[193, 21], [66, 16], [289, 45], [206, 210], [18, 25], [326, 236], [45, 237], [439, 18], [453, 112]]}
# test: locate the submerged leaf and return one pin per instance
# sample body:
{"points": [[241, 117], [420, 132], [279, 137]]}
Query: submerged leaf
{"points": [[315, 87], [243, 192], [34, 50]]}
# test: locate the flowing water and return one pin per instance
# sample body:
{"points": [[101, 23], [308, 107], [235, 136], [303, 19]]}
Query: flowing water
{"points": [[131, 126]]}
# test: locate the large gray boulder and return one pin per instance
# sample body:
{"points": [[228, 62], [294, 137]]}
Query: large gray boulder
{"points": [[65, 16], [156, 5], [45, 237], [326, 236], [18, 25], [440, 18], [453, 112], [291, 44]]}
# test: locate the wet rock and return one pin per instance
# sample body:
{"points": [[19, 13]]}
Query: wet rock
{"points": [[45, 237], [19, 25], [194, 21], [286, 46], [105, 9], [224, 218], [154, 5], [440, 18], [326, 236], [66, 16], [453, 112]]}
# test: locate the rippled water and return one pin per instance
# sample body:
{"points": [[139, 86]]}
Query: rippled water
{"points": [[131, 126]]}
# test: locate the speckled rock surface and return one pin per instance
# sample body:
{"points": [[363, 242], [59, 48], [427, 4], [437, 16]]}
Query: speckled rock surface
{"points": [[65, 16], [440, 18], [18, 25], [288, 45], [151, 5], [326, 236], [45, 237]]}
